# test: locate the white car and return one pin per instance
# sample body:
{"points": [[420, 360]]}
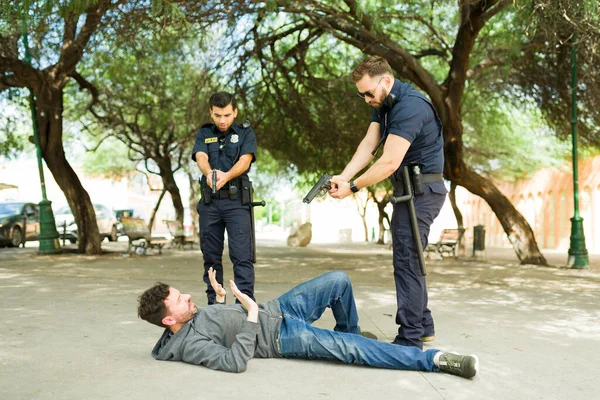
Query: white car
{"points": [[67, 228]]}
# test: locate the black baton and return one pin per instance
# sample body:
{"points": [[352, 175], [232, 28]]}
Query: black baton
{"points": [[252, 205], [412, 212]]}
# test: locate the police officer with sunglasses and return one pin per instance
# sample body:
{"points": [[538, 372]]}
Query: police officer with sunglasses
{"points": [[405, 123]]}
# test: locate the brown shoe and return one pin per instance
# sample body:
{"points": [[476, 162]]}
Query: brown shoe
{"points": [[429, 338]]}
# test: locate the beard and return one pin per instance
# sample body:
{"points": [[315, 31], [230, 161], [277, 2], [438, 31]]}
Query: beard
{"points": [[378, 102]]}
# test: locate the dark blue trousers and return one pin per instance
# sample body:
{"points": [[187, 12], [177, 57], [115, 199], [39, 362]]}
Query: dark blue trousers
{"points": [[216, 217], [413, 315]]}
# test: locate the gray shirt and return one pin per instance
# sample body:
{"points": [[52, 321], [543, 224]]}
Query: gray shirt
{"points": [[220, 337]]}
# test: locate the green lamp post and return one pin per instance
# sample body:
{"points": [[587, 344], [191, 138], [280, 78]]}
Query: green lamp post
{"points": [[578, 254], [48, 235]]}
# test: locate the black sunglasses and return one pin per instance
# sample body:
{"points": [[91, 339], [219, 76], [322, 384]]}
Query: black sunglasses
{"points": [[369, 93]]}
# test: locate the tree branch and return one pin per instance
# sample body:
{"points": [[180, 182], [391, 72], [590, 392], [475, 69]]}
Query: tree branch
{"points": [[482, 66], [85, 84], [8, 81], [72, 49]]}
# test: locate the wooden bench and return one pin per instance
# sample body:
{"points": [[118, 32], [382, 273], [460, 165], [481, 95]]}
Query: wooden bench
{"points": [[139, 236], [447, 245], [178, 234]]}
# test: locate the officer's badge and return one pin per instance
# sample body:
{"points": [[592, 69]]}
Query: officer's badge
{"points": [[210, 140], [235, 138]]}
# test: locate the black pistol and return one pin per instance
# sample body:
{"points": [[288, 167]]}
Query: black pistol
{"points": [[320, 188], [214, 182]]}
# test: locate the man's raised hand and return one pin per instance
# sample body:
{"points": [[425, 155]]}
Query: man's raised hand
{"points": [[246, 301], [219, 290]]}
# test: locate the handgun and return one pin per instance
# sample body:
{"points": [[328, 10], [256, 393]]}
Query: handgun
{"points": [[320, 188], [214, 181]]}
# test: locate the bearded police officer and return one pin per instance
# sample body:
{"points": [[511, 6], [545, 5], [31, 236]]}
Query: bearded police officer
{"points": [[225, 150], [406, 124]]}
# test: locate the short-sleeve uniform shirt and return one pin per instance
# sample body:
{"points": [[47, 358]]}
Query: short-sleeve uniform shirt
{"points": [[414, 118], [225, 149]]}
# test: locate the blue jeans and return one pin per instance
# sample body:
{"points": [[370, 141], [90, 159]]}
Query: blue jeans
{"points": [[305, 303]]}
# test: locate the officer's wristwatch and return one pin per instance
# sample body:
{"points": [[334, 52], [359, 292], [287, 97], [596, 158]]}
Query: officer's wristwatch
{"points": [[353, 187]]}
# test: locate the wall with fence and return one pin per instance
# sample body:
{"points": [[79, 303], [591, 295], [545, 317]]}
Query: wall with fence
{"points": [[546, 202]]}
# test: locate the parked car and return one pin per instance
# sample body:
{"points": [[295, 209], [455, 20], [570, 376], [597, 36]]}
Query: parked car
{"points": [[67, 228], [19, 222]]}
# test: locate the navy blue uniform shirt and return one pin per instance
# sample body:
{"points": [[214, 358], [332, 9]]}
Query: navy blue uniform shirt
{"points": [[414, 118], [225, 149]]}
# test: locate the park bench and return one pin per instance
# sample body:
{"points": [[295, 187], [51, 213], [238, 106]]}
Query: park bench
{"points": [[447, 245], [139, 236], [179, 236]]}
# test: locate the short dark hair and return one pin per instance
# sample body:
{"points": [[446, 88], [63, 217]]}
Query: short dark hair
{"points": [[151, 306], [222, 100], [372, 66]]}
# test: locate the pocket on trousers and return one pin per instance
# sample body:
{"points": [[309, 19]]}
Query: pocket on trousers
{"points": [[438, 187], [402, 252]]}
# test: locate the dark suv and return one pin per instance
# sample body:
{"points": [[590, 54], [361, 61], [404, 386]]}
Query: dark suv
{"points": [[19, 222]]}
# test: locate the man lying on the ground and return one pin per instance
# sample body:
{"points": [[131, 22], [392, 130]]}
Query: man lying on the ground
{"points": [[225, 337]]}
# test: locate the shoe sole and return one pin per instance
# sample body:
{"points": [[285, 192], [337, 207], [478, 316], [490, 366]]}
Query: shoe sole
{"points": [[476, 365], [426, 339]]}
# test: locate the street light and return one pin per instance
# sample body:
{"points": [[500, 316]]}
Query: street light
{"points": [[48, 235], [578, 254]]}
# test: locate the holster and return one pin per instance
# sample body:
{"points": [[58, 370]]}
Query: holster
{"points": [[417, 179], [206, 193], [246, 193]]}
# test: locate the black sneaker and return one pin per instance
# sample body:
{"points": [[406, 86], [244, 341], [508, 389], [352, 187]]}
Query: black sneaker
{"points": [[465, 366]]}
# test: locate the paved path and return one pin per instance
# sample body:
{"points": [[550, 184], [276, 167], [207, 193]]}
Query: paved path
{"points": [[70, 329]]}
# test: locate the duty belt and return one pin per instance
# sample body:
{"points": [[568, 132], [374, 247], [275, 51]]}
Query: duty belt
{"points": [[398, 182], [221, 194], [428, 178], [432, 178]]}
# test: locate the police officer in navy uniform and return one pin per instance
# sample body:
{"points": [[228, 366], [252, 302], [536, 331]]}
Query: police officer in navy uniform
{"points": [[405, 123], [229, 149]]}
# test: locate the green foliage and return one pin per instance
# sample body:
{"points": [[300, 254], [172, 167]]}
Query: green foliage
{"points": [[298, 84], [109, 160], [153, 96], [15, 127], [544, 71], [508, 142]]}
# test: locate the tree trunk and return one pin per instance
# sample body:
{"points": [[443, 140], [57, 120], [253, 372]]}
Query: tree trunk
{"points": [[153, 215], [194, 202], [516, 227], [169, 184], [362, 211], [457, 213], [49, 108], [458, 216], [382, 217]]}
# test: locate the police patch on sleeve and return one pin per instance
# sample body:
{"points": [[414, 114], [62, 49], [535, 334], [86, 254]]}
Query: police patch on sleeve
{"points": [[235, 138], [210, 140]]}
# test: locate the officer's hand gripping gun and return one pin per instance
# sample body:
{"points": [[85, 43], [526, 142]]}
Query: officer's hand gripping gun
{"points": [[214, 181], [320, 188]]}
